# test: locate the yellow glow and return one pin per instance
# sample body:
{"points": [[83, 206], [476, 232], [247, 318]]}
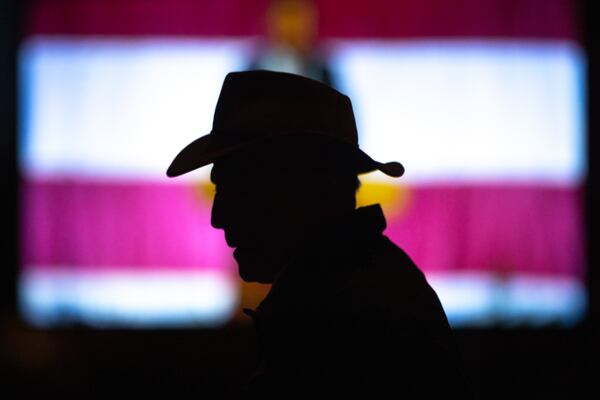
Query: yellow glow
{"points": [[393, 198]]}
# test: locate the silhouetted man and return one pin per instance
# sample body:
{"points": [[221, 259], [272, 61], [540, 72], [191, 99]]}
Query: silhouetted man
{"points": [[348, 312]]}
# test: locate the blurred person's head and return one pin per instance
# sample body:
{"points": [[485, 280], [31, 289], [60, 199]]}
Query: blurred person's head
{"points": [[293, 24]]}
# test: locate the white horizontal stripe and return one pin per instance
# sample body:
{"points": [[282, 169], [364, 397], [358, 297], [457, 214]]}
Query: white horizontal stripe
{"points": [[104, 299], [496, 110], [162, 298], [480, 299], [118, 108], [459, 110]]}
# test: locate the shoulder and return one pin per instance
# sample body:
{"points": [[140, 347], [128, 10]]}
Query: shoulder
{"points": [[389, 258], [389, 271], [390, 287]]}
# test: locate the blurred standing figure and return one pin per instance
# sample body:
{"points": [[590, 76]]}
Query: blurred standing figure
{"points": [[290, 45]]}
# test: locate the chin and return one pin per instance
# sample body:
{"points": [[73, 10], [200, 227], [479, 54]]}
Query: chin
{"points": [[256, 279], [252, 269], [251, 276]]}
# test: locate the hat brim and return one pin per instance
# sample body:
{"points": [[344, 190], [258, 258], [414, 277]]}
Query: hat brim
{"points": [[206, 150]]}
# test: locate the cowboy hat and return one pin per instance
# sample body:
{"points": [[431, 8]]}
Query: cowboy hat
{"points": [[257, 106]]}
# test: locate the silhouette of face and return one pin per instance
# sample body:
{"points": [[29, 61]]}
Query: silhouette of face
{"points": [[263, 212]]}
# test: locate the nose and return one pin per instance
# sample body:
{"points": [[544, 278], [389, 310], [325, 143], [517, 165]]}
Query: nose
{"points": [[218, 219], [217, 212]]}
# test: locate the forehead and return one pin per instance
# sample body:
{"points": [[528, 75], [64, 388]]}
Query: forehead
{"points": [[217, 174], [227, 168]]}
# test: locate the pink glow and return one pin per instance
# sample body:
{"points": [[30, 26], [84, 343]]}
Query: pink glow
{"points": [[129, 225], [494, 228], [501, 228], [533, 19]]}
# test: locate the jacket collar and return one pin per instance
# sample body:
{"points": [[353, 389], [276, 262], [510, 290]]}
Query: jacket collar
{"points": [[345, 229]]}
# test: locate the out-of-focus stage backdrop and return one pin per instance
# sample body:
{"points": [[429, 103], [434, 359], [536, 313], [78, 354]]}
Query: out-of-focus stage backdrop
{"points": [[119, 273], [484, 105]]}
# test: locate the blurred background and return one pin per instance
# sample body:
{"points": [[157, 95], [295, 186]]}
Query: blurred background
{"points": [[115, 280]]}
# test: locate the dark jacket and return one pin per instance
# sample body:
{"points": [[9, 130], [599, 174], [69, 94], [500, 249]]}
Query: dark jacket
{"points": [[351, 314]]}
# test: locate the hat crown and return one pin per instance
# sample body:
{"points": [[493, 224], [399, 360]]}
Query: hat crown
{"points": [[256, 104]]}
